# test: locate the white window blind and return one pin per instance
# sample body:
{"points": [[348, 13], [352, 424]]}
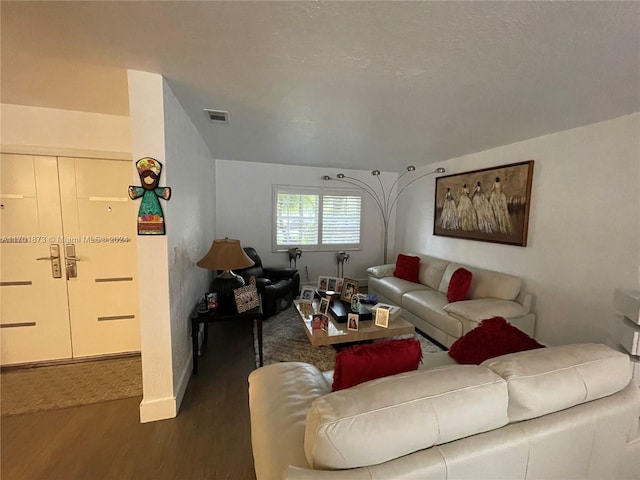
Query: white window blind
{"points": [[315, 217], [341, 219], [297, 219]]}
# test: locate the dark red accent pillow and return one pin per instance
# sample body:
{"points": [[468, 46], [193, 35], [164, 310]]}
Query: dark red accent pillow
{"points": [[459, 285], [407, 268], [492, 338], [361, 363]]}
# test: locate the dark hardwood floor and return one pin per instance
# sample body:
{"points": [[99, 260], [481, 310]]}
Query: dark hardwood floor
{"points": [[209, 439]]}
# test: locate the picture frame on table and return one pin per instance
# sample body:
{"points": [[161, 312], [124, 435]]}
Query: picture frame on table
{"points": [[382, 317], [323, 281], [319, 322], [307, 293], [349, 289], [246, 298], [212, 300], [324, 306], [353, 321]]}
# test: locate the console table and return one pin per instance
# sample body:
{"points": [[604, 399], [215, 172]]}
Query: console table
{"points": [[205, 318]]}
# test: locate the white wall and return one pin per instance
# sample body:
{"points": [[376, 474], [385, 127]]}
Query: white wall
{"points": [[584, 226], [244, 211], [51, 131], [191, 216], [170, 283], [147, 131]]}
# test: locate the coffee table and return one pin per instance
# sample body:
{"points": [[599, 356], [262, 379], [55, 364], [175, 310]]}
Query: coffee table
{"points": [[338, 333]]}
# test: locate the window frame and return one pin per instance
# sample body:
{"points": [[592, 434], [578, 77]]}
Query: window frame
{"points": [[321, 192]]}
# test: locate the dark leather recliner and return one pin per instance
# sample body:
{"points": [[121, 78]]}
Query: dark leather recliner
{"points": [[278, 286]]}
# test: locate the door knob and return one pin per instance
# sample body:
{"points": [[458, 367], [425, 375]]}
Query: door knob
{"points": [[54, 258]]}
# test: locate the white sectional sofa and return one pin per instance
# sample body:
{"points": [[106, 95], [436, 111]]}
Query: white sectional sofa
{"points": [[425, 304], [552, 413]]}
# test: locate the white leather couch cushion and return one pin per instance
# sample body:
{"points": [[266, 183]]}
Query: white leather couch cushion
{"points": [[546, 380], [431, 270], [381, 271], [484, 283], [428, 305], [389, 417], [394, 288], [483, 308], [280, 396], [489, 284]]}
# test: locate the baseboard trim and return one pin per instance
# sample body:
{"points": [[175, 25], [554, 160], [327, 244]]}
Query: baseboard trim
{"points": [[159, 409], [182, 384], [164, 408]]}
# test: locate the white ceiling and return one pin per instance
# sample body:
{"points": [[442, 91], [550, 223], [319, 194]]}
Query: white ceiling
{"points": [[342, 84]]}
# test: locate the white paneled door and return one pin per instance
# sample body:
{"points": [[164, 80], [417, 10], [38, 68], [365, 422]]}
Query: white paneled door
{"points": [[68, 280]]}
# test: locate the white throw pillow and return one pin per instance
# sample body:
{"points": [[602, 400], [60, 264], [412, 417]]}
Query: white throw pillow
{"points": [[483, 308]]}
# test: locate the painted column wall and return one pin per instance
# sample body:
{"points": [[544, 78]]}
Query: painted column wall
{"points": [[584, 225], [190, 217], [148, 140]]}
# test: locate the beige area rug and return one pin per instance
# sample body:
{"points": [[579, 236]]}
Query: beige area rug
{"points": [[284, 340], [52, 387]]}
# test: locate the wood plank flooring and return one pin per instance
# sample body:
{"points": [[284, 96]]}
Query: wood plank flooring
{"points": [[209, 439]]}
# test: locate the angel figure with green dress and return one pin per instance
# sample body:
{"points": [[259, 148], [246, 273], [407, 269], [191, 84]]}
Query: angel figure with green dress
{"points": [[150, 217]]}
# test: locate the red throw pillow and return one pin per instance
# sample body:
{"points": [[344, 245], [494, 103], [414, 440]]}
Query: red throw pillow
{"points": [[361, 363], [459, 285], [407, 268], [492, 338]]}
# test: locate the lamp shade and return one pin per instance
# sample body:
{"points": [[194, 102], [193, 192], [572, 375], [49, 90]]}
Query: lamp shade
{"points": [[226, 254]]}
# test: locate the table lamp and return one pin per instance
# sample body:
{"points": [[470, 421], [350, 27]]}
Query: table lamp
{"points": [[225, 255]]}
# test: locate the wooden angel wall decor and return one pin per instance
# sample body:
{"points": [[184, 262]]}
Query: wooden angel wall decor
{"points": [[150, 216]]}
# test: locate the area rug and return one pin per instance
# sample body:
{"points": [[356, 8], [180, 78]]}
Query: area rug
{"points": [[52, 387], [284, 340]]}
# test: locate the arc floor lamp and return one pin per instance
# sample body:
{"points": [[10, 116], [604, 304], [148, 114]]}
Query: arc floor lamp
{"points": [[386, 200]]}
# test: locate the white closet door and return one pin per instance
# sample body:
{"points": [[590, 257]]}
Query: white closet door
{"points": [[85, 303], [34, 315], [100, 225]]}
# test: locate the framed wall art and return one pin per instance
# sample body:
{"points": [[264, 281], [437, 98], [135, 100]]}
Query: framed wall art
{"points": [[490, 205]]}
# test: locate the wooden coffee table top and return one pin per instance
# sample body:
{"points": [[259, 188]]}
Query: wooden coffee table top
{"points": [[338, 333]]}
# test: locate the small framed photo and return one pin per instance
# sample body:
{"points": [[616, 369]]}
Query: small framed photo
{"points": [[246, 298], [349, 288], [382, 317], [324, 306], [319, 322], [353, 319], [339, 283], [331, 283], [212, 300], [307, 293], [322, 283]]}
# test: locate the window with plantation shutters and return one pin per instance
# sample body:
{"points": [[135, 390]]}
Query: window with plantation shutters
{"points": [[341, 219], [318, 218]]}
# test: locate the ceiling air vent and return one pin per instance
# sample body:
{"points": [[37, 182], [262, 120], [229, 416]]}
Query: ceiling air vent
{"points": [[217, 116]]}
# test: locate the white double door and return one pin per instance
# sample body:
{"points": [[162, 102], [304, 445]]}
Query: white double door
{"points": [[68, 274]]}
